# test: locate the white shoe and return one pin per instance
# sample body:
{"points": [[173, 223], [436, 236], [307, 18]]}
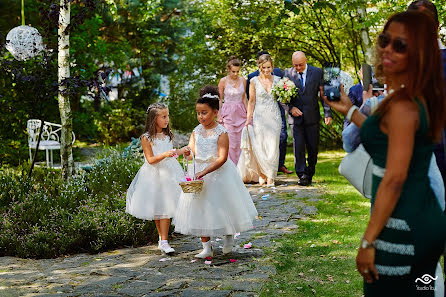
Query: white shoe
{"points": [[228, 243], [208, 251], [261, 181], [166, 248]]}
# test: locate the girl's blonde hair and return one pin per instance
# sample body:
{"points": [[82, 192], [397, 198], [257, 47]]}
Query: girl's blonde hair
{"points": [[152, 113]]}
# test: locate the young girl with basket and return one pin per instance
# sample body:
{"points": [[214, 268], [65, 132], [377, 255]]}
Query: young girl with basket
{"points": [[223, 206], [154, 192]]}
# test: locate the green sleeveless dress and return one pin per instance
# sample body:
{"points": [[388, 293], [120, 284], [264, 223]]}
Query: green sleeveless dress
{"points": [[413, 238]]}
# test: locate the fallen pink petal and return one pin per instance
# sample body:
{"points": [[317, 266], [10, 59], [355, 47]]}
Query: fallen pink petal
{"points": [[207, 262], [248, 245], [232, 260], [163, 260]]}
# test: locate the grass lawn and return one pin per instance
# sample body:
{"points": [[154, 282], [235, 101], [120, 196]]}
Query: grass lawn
{"points": [[319, 259]]}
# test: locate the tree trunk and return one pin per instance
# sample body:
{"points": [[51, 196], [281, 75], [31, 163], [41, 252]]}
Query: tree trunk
{"points": [[367, 46], [66, 149]]}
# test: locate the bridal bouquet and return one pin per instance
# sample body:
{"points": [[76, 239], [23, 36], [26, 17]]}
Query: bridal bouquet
{"points": [[284, 90]]}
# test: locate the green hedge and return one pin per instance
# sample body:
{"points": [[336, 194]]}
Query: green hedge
{"points": [[47, 217]]}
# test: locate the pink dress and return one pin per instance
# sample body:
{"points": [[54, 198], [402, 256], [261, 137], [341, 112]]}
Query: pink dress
{"points": [[233, 116]]}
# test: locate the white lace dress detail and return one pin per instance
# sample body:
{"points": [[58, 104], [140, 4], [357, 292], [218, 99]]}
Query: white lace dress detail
{"points": [[154, 192], [206, 142], [260, 142], [224, 205]]}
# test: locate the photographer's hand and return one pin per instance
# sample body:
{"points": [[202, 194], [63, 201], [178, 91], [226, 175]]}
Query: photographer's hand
{"points": [[367, 94], [343, 105]]}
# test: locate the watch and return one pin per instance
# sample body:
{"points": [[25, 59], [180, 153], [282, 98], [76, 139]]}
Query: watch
{"points": [[365, 244]]}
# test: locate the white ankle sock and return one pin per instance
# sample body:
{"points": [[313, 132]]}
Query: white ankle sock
{"points": [[206, 246], [228, 240]]}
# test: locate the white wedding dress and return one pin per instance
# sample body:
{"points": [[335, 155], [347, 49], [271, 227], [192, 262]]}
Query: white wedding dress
{"points": [[260, 142]]}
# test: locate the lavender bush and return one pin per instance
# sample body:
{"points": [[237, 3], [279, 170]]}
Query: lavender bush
{"points": [[47, 217]]}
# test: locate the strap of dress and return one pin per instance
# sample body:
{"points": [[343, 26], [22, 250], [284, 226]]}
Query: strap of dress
{"points": [[220, 129], [424, 124]]}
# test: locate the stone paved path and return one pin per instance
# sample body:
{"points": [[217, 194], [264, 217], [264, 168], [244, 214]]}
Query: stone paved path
{"points": [[144, 271]]}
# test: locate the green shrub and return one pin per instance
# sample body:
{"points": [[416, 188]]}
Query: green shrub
{"points": [[119, 121], [84, 125], [47, 217]]}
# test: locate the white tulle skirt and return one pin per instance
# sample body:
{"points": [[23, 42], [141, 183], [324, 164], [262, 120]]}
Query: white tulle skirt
{"points": [[155, 190], [223, 207]]}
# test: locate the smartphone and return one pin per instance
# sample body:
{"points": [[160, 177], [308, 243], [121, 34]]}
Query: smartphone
{"points": [[366, 76], [332, 81]]}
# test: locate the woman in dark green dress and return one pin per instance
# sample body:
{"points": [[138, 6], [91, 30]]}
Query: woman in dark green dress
{"points": [[406, 232]]}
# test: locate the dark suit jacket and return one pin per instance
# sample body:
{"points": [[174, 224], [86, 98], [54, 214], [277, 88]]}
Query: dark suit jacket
{"points": [[276, 72], [307, 99], [355, 95]]}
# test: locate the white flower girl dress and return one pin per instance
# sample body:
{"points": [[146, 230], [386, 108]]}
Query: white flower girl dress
{"points": [[224, 206], [155, 190]]}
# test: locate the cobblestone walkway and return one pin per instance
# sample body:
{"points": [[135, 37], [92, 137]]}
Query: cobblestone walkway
{"points": [[145, 271]]}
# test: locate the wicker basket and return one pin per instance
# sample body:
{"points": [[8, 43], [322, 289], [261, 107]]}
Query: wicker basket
{"points": [[193, 186]]}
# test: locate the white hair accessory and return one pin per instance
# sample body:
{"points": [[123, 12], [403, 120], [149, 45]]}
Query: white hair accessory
{"points": [[209, 95]]}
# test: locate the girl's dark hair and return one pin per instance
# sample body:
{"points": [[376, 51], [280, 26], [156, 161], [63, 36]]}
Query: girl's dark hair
{"points": [[424, 68], [150, 128], [233, 61], [209, 95]]}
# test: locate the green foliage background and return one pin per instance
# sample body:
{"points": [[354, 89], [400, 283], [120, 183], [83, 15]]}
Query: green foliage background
{"points": [[187, 41]]}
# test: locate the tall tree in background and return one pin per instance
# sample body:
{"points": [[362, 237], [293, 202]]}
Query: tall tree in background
{"points": [[66, 149]]}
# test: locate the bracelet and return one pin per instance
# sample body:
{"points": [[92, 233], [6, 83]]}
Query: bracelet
{"points": [[365, 244], [350, 112]]}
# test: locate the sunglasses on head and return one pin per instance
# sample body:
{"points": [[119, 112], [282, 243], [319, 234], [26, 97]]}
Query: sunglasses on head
{"points": [[398, 45]]}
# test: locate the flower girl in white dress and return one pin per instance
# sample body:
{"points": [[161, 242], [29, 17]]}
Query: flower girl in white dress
{"points": [[155, 190], [224, 206]]}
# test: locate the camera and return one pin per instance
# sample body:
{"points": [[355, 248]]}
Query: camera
{"points": [[332, 83]]}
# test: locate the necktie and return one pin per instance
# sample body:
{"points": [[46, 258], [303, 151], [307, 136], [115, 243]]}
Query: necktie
{"points": [[301, 79]]}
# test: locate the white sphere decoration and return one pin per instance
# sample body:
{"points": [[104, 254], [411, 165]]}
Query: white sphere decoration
{"points": [[24, 42], [346, 80]]}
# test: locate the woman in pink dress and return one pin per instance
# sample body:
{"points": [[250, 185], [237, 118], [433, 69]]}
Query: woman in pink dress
{"points": [[233, 110]]}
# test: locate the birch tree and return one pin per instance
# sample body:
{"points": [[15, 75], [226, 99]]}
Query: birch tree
{"points": [[66, 149]]}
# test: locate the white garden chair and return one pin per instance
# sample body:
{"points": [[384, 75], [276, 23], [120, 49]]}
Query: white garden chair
{"points": [[49, 141]]}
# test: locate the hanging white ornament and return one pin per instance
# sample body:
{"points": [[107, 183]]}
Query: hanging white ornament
{"points": [[24, 42]]}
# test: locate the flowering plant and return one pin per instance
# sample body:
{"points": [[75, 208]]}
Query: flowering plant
{"points": [[284, 90]]}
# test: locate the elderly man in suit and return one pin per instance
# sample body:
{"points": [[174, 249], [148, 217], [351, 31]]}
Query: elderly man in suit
{"points": [[304, 115]]}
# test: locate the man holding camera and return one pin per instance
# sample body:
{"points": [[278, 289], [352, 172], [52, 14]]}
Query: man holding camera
{"points": [[304, 116]]}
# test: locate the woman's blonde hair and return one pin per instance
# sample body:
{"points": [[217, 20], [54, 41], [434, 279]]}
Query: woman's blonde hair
{"points": [[263, 59]]}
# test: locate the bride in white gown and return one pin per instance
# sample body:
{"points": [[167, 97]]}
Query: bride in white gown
{"points": [[260, 141]]}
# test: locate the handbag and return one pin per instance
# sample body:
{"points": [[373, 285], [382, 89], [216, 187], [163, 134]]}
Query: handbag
{"points": [[357, 166]]}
